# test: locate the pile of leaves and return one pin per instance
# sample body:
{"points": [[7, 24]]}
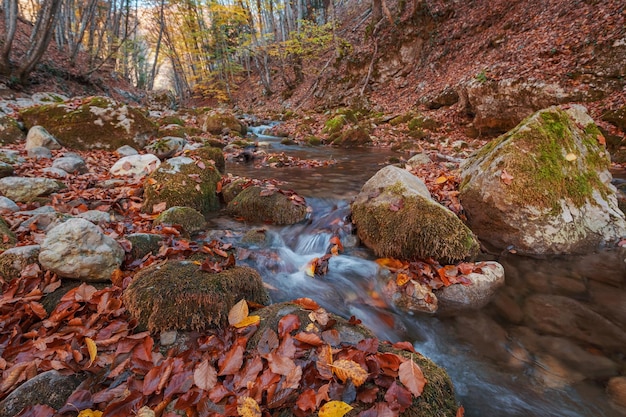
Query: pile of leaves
{"points": [[443, 185]]}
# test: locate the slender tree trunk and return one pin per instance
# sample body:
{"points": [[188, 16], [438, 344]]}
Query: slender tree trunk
{"points": [[157, 47], [87, 17], [10, 24]]}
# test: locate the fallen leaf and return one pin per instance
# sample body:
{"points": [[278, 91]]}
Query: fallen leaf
{"points": [[90, 413], [345, 369], [145, 411], [238, 312], [412, 377], [92, 349], [441, 179], [334, 409], [601, 139], [159, 207], [570, 157], [248, 321], [306, 303], [248, 407], [205, 375], [402, 279], [506, 177]]}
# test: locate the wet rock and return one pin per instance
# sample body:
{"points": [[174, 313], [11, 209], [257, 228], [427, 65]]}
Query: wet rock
{"points": [[188, 181], [166, 147], [23, 189], [39, 137], [189, 219], [135, 165], [39, 152], [555, 197], [10, 131], [561, 316], [608, 301], [78, 249], [616, 388], [487, 337], [608, 266], [395, 216], [459, 298], [96, 123], [14, 260], [259, 204], [8, 205], [6, 170], [177, 295], [49, 388], [506, 303], [143, 244], [70, 164]]}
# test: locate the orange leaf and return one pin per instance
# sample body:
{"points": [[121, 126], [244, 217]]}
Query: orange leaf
{"points": [[248, 321], [345, 369], [336, 241], [309, 338], [460, 412], [391, 263], [402, 279], [601, 139], [441, 179], [238, 312], [92, 349], [306, 303], [159, 207], [412, 377]]}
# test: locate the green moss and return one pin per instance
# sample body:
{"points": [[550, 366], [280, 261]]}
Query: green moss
{"points": [[356, 136], [401, 119], [10, 131], [189, 219], [171, 120], [334, 124], [427, 230], [314, 141], [210, 153], [178, 295], [276, 208]]}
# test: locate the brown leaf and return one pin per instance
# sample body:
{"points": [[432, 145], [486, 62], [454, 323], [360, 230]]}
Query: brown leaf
{"points": [[287, 324], [324, 361], [412, 377], [306, 401], [306, 303], [159, 207], [205, 375], [280, 364], [345, 369], [232, 361], [238, 312], [312, 339], [506, 177]]}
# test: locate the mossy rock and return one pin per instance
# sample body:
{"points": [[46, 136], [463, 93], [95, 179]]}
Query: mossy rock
{"points": [[189, 219], [437, 398], [211, 153], [423, 122], [395, 217], [175, 130], [232, 189], [353, 137], [183, 181], [403, 118], [313, 141], [334, 124], [98, 123], [143, 244], [616, 117], [171, 120], [256, 204], [544, 187], [216, 123], [177, 295], [7, 237], [10, 131]]}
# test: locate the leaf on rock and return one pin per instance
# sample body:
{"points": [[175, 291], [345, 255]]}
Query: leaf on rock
{"points": [[306, 303], [205, 375], [345, 369], [92, 349], [238, 312], [159, 207], [506, 177], [280, 364], [334, 409], [412, 377], [392, 264], [248, 321], [312, 339], [287, 324], [324, 361], [402, 279], [248, 407]]}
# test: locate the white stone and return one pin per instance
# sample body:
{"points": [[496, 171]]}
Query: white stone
{"points": [[135, 165], [38, 136]]}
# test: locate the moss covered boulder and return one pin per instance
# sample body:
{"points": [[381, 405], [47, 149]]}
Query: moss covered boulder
{"points": [[10, 131], [189, 181], [177, 295], [190, 220], [544, 187], [315, 332], [268, 205], [93, 123], [396, 217], [218, 123], [352, 137]]}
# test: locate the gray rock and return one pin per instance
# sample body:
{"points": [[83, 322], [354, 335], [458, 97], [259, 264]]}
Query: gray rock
{"points": [[6, 170], [166, 147], [96, 216], [126, 150], [6, 204], [135, 165], [459, 298], [10, 156], [10, 130], [419, 159], [143, 244], [23, 189], [39, 152], [38, 136], [55, 172], [43, 221], [70, 164], [78, 249], [544, 187], [48, 388]]}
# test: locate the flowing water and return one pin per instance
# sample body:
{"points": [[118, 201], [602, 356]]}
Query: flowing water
{"points": [[499, 366]]}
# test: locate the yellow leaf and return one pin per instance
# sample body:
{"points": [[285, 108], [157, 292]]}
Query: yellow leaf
{"points": [[570, 157], [238, 312], [90, 413], [391, 263], [248, 407], [345, 369], [441, 180], [402, 279], [92, 349], [248, 321], [334, 409], [310, 267]]}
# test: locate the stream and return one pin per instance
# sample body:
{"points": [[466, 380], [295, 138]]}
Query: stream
{"points": [[499, 360]]}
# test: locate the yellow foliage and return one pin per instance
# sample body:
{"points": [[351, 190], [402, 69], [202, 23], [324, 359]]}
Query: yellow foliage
{"points": [[334, 409]]}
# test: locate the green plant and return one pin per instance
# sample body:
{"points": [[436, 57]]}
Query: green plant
{"points": [[481, 77]]}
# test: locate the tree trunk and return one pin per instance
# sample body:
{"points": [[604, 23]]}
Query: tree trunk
{"points": [[10, 22], [157, 47], [87, 17]]}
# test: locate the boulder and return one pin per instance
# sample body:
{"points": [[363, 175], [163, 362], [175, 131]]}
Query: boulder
{"points": [[351, 137], [126, 151], [6, 170], [7, 237], [218, 123], [395, 217], [6, 204], [49, 388], [188, 181], [93, 123], [178, 295], [71, 164], [135, 165], [166, 147], [10, 156], [78, 249], [14, 260], [96, 216], [26, 189], [544, 187], [459, 298], [269, 205], [10, 131], [55, 172], [38, 136], [189, 219], [143, 244]]}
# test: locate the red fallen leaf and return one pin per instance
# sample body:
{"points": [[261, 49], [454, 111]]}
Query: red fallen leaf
{"points": [[249, 373], [380, 410], [287, 324], [220, 252], [324, 362], [442, 274], [151, 380], [312, 339], [280, 364], [80, 399], [266, 192], [268, 341], [38, 410], [466, 268], [331, 337], [38, 309], [218, 393], [506, 177], [306, 401], [287, 347], [125, 406], [601, 141], [159, 207], [404, 345], [231, 362], [412, 377], [388, 363], [306, 303], [398, 397], [354, 321], [368, 395], [179, 383], [368, 345], [322, 394], [84, 292], [460, 412]]}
